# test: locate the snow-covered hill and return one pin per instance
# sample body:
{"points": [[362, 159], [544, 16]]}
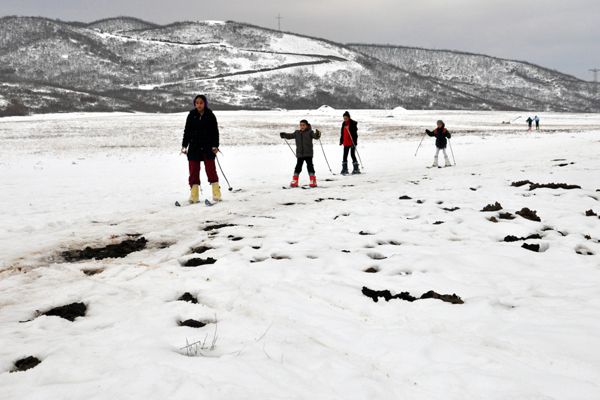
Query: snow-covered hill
{"points": [[509, 82], [126, 64]]}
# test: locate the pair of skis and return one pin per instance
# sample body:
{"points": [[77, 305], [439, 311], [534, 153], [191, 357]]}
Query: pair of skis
{"points": [[207, 203], [305, 187]]}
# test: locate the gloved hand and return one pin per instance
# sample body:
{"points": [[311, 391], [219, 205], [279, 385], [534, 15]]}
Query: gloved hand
{"points": [[317, 134], [282, 135]]}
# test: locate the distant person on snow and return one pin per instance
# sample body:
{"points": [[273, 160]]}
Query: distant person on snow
{"points": [[529, 122], [537, 123], [201, 143], [441, 135], [349, 139], [304, 151]]}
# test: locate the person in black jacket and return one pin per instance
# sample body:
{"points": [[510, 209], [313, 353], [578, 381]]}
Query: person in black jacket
{"points": [[529, 121], [304, 151], [349, 139], [441, 135], [201, 143]]}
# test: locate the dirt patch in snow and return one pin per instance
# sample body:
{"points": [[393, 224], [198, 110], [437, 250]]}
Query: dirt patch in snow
{"points": [[25, 363], [511, 238], [187, 296], [386, 295], [492, 207], [405, 197], [531, 247], [214, 227], [192, 323], [69, 312], [533, 185], [119, 250], [375, 295], [448, 298], [196, 262], [200, 249], [372, 270], [506, 215], [529, 214]]}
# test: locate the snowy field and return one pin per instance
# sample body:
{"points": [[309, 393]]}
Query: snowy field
{"points": [[281, 293]]}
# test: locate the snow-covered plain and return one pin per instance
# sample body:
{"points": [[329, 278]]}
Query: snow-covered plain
{"points": [[285, 291]]}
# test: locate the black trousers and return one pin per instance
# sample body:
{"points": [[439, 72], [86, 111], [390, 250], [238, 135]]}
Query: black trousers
{"points": [[352, 151], [309, 165]]}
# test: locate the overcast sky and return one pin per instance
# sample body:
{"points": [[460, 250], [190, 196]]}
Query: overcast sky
{"points": [[559, 34]]}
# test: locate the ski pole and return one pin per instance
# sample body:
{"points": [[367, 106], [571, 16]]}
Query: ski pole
{"points": [[292, 150], [357, 153], [452, 151], [421, 142], [223, 173], [328, 166]]}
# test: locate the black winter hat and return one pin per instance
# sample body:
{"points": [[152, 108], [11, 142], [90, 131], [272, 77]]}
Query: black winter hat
{"points": [[346, 114]]}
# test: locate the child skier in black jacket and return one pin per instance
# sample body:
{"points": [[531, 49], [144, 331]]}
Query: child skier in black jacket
{"points": [[304, 151], [441, 135]]}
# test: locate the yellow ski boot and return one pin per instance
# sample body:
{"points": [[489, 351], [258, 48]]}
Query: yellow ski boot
{"points": [[194, 194], [216, 190]]}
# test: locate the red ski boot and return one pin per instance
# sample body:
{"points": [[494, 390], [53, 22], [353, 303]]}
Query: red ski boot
{"points": [[313, 181], [294, 182]]}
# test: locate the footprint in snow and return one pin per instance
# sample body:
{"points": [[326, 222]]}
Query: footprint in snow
{"points": [[584, 251], [200, 249], [92, 271], [388, 242], [376, 256], [258, 259]]}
